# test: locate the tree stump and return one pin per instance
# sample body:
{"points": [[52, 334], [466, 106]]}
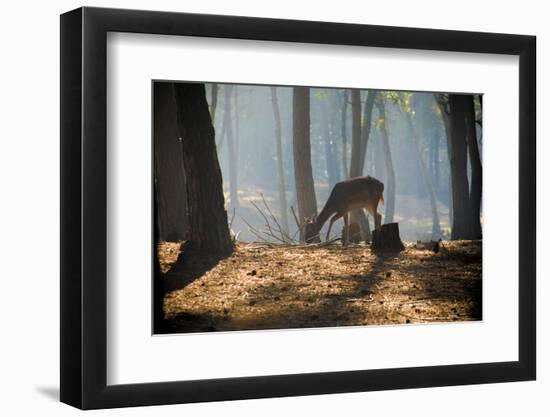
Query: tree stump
{"points": [[387, 239]]}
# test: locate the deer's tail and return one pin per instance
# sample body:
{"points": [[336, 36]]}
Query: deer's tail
{"points": [[382, 198]]}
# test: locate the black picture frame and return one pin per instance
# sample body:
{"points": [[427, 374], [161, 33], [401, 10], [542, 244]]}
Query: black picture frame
{"points": [[84, 207]]}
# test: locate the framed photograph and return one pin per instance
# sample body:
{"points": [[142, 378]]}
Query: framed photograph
{"points": [[257, 208]]}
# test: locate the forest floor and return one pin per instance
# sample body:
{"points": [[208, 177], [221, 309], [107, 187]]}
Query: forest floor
{"points": [[274, 286]]}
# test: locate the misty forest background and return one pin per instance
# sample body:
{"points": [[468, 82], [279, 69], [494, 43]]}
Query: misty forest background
{"points": [[404, 139], [242, 171]]}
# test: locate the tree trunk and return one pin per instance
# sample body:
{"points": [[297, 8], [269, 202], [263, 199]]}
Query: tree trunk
{"points": [[344, 132], [232, 163], [333, 112], [475, 164], [436, 169], [359, 137], [303, 176], [436, 228], [446, 119], [170, 191], [356, 148], [214, 102], [280, 167], [237, 133], [390, 173], [329, 154], [462, 215], [365, 131], [208, 228]]}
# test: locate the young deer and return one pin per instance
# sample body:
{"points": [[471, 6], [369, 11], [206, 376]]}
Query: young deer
{"points": [[349, 195]]}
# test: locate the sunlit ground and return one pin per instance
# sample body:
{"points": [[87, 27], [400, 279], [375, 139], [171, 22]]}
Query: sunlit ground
{"points": [[273, 286]]}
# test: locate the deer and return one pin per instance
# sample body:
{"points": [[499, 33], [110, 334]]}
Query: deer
{"points": [[352, 194]]}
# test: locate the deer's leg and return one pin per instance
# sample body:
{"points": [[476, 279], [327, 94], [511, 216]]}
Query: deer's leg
{"points": [[345, 239], [373, 210], [332, 220]]}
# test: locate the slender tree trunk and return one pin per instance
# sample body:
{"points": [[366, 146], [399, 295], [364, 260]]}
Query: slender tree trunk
{"points": [[344, 132], [171, 198], [232, 163], [305, 190], [475, 164], [462, 215], [359, 139], [280, 167], [436, 228], [356, 148], [436, 169], [208, 226], [333, 112], [329, 154], [390, 173], [446, 119], [237, 132], [377, 157], [365, 131]]}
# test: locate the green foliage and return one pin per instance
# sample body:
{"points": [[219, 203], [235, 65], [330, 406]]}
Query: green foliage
{"points": [[399, 98]]}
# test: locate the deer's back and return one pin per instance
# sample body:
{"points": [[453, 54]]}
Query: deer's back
{"points": [[356, 193]]}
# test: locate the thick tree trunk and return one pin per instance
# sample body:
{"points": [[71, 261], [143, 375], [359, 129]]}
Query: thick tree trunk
{"points": [[232, 162], [390, 173], [170, 191], [436, 228], [305, 191], [344, 132], [280, 167], [208, 226], [462, 214], [475, 164], [357, 216]]}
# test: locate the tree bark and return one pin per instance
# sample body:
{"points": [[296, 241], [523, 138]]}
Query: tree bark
{"points": [[232, 163], [170, 191], [208, 228], [390, 173], [475, 164], [280, 167], [303, 176], [462, 214]]}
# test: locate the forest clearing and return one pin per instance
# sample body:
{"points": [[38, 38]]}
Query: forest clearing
{"points": [[263, 286]]}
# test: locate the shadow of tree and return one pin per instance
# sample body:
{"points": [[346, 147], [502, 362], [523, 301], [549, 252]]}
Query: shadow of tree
{"points": [[412, 286]]}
